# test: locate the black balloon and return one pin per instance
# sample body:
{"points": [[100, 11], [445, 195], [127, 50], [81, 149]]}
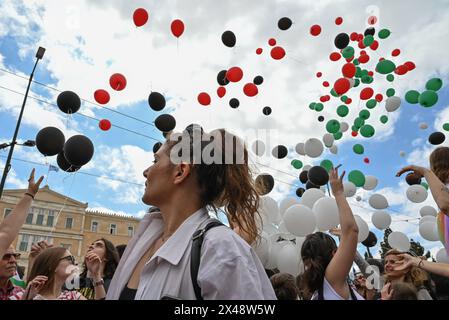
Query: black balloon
{"points": [[234, 103], [78, 150], [264, 184], [221, 78], [341, 40], [50, 141], [157, 146], [370, 241], [165, 122], [310, 185], [370, 31], [228, 38], [320, 118], [258, 80], [284, 23], [68, 102], [156, 101], [413, 178], [437, 138], [64, 165], [303, 176], [279, 152], [266, 111], [318, 175], [300, 192]]}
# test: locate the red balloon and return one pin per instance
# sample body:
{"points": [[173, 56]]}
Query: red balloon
{"points": [[259, 50], [335, 56], [379, 97], [396, 52], [319, 74], [221, 91], [361, 44], [117, 81], [372, 20], [366, 160], [325, 84], [381, 59], [364, 58], [339, 21], [204, 99], [374, 45], [277, 53], [177, 28], [349, 59], [235, 74], [410, 65], [348, 70], [324, 98], [348, 101], [354, 36], [401, 70], [250, 89], [101, 96], [341, 86], [104, 124], [366, 93], [360, 37], [354, 133], [272, 42], [140, 17], [362, 52], [370, 73], [315, 30]]}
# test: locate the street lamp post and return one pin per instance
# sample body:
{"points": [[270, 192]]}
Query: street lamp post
{"points": [[39, 56]]}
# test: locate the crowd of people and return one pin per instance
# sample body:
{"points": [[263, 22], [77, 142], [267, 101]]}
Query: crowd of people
{"points": [[180, 252]]}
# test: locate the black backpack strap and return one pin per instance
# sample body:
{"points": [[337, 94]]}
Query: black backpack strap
{"points": [[351, 292], [195, 255]]}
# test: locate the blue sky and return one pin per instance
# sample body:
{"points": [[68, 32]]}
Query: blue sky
{"points": [[87, 42]]}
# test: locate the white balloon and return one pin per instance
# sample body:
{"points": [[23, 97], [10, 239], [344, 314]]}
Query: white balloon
{"points": [[262, 248], [423, 126], [299, 148], [416, 193], [402, 153], [399, 241], [363, 228], [381, 220], [307, 167], [269, 229], [349, 189], [288, 260], [351, 82], [258, 147], [326, 213], [310, 196], [268, 209], [313, 148], [428, 211], [370, 183], [299, 220], [442, 256], [298, 244], [333, 149], [424, 219], [282, 229], [287, 203], [392, 103], [328, 140], [358, 198], [378, 201], [429, 231], [275, 247], [344, 126]]}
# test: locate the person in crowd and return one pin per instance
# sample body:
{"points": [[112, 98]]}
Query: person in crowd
{"points": [[120, 249], [284, 285], [326, 265], [36, 248], [52, 268], [8, 267], [366, 291], [407, 262], [10, 226], [399, 291], [184, 184], [395, 271]]}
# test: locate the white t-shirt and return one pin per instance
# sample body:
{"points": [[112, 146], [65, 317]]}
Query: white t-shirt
{"points": [[330, 294]]}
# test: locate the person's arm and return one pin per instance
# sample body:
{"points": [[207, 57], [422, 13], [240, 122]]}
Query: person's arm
{"points": [[10, 226], [340, 265], [361, 263], [93, 264], [407, 261], [440, 192]]}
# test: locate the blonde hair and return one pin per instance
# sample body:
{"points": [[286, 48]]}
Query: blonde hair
{"points": [[415, 276]]}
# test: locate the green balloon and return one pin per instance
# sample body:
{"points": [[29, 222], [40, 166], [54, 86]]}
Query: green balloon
{"points": [[428, 98], [364, 72], [367, 79], [348, 52], [358, 149], [368, 40], [342, 110], [356, 62], [384, 33], [338, 135], [425, 185], [358, 72], [333, 93], [356, 83], [344, 98], [333, 126], [390, 78], [364, 114], [327, 164], [297, 164], [385, 67], [384, 119], [371, 103], [446, 126], [367, 131], [357, 178], [319, 107], [412, 96], [434, 84], [312, 105], [359, 122], [355, 129], [390, 92]]}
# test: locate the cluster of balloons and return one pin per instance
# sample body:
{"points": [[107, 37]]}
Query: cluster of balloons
{"points": [[164, 122], [141, 15]]}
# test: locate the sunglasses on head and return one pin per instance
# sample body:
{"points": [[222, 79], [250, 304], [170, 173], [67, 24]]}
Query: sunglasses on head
{"points": [[70, 259]]}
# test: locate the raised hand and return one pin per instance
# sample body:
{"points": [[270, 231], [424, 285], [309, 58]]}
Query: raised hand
{"points": [[406, 262], [38, 248], [336, 182], [417, 170], [93, 264], [387, 293], [34, 287], [33, 187]]}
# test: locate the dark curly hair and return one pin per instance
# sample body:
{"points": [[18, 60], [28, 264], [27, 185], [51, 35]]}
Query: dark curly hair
{"points": [[112, 258]]}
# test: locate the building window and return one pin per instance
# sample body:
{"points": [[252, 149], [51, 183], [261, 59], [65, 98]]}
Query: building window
{"points": [[68, 223], [50, 218], [40, 217], [94, 226], [66, 246], [29, 219], [7, 212], [112, 229], [24, 243], [130, 231]]}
